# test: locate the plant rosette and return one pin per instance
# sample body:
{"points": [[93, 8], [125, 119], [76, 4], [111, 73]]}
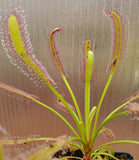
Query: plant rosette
{"points": [[78, 153], [16, 42]]}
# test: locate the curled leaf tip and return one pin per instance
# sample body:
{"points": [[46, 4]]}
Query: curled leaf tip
{"points": [[55, 52], [108, 133]]}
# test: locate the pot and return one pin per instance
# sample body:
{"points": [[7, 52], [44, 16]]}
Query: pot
{"points": [[123, 155]]}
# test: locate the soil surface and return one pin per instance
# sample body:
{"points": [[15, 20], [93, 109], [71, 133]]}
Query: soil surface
{"points": [[123, 156], [66, 152]]}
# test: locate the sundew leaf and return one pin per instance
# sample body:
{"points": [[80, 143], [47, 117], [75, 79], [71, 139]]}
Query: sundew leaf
{"points": [[16, 42], [119, 25], [54, 51], [89, 66], [22, 147], [87, 49], [108, 133], [8, 88], [133, 110], [21, 51], [13, 40], [87, 46], [33, 98], [133, 97], [47, 152], [9, 141]]}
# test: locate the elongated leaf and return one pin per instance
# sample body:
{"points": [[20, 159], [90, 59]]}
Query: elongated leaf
{"points": [[119, 27], [13, 90], [107, 133], [47, 152], [133, 109], [9, 141], [1, 154], [16, 42], [87, 47], [21, 51], [54, 52]]}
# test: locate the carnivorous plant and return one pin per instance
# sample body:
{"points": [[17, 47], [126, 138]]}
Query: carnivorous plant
{"points": [[17, 45]]}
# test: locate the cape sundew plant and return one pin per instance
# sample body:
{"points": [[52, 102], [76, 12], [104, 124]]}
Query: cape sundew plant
{"points": [[15, 40]]}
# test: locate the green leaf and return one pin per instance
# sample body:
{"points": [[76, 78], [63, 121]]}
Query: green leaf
{"points": [[1, 155], [47, 152], [89, 66]]}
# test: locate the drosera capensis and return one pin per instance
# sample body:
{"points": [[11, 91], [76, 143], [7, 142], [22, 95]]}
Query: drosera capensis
{"points": [[89, 130]]}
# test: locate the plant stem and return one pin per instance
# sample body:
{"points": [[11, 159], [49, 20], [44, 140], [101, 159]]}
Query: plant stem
{"points": [[100, 103], [79, 140], [14, 31], [75, 103], [68, 124], [61, 70], [28, 96], [112, 116], [73, 114], [91, 116], [87, 108], [88, 76], [73, 97]]}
